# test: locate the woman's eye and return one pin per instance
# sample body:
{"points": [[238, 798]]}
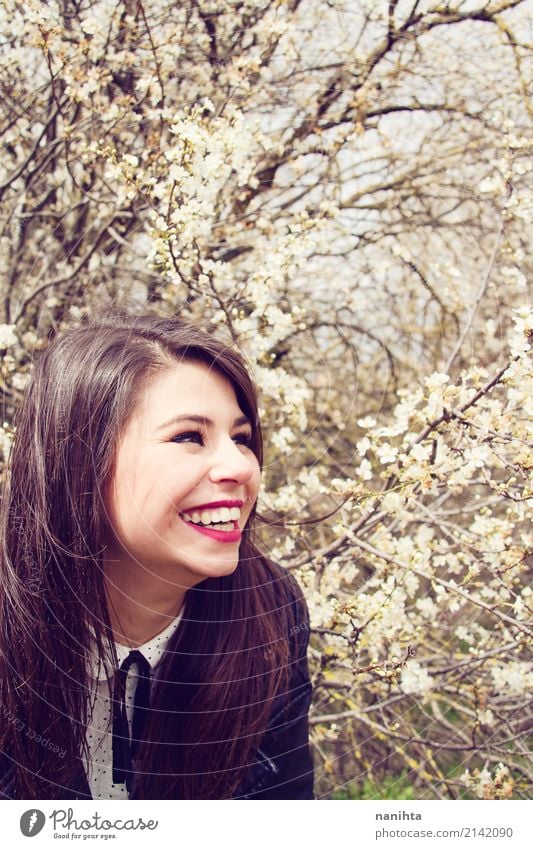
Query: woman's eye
{"points": [[189, 436], [243, 439]]}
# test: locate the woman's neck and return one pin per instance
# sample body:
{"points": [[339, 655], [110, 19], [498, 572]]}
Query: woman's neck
{"points": [[139, 613]]}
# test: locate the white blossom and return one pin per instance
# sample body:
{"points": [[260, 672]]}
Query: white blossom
{"points": [[416, 680], [8, 336]]}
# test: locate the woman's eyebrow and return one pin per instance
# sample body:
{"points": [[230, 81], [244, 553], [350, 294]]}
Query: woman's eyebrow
{"points": [[201, 420]]}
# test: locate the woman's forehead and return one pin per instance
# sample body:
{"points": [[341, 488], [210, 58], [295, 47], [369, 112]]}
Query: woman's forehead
{"points": [[187, 388]]}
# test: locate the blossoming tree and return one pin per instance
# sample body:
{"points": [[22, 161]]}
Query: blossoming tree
{"points": [[342, 186]]}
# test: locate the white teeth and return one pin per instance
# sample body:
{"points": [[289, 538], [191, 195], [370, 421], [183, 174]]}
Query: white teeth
{"points": [[222, 515]]}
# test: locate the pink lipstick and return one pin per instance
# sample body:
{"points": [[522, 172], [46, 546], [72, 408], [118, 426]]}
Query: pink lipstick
{"points": [[233, 502], [219, 536]]}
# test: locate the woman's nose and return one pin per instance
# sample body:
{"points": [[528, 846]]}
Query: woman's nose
{"points": [[231, 462]]}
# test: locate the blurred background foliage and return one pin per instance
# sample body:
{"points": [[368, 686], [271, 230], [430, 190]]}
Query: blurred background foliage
{"points": [[343, 189]]}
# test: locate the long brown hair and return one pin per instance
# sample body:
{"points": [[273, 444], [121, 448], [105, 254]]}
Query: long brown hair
{"points": [[228, 658]]}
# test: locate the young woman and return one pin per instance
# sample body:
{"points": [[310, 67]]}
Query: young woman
{"points": [[148, 650]]}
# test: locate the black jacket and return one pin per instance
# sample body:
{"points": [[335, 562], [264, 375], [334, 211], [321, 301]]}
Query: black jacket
{"points": [[283, 768]]}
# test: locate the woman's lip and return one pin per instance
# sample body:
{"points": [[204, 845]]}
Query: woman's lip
{"points": [[219, 536], [235, 502]]}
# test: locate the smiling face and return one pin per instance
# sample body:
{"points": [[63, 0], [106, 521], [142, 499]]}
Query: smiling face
{"points": [[185, 481]]}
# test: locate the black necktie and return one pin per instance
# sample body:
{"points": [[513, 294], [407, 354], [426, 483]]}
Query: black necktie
{"points": [[124, 749]]}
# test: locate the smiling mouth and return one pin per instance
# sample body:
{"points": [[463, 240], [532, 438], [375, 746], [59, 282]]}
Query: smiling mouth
{"points": [[220, 524], [220, 531], [219, 518]]}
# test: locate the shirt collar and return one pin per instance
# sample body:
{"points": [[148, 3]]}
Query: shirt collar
{"points": [[152, 650]]}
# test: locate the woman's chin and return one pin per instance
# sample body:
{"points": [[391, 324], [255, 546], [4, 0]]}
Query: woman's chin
{"points": [[215, 567]]}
